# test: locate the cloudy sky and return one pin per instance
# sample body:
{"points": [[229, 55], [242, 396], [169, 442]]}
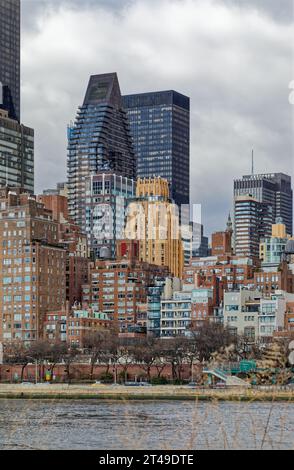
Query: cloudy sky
{"points": [[234, 58]]}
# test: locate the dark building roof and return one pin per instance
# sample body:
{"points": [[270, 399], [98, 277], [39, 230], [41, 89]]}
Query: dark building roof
{"points": [[103, 88], [156, 98], [289, 249]]}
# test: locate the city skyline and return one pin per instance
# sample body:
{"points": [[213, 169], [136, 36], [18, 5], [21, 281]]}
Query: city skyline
{"points": [[248, 103], [146, 227]]}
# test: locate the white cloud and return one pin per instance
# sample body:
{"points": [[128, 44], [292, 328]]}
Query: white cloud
{"points": [[234, 62]]}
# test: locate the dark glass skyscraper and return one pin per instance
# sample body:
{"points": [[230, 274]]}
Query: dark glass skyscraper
{"points": [[10, 57], [99, 141], [253, 222], [273, 189], [160, 127], [16, 140], [16, 153]]}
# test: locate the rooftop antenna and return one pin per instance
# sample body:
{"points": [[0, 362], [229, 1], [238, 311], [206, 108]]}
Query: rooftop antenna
{"points": [[252, 163]]}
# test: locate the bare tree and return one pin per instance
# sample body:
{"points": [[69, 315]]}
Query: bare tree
{"points": [[126, 350], [69, 357], [56, 354], [160, 357], [177, 350], [16, 352], [40, 350], [146, 354], [96, 345], [207, 338]]}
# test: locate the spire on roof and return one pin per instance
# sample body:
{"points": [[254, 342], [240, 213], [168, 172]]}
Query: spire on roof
{"points": [[229, 223]]}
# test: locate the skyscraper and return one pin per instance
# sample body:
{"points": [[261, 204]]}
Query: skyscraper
{"points": [[33, 273], [160, 127], [274, 189], [16, 140], [153, 219], [99, 141], [107, 195], [253, 222], [10, 57], [16, 153]]}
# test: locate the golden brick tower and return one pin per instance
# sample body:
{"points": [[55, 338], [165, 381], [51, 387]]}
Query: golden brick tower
{"points": [[154, 220]]}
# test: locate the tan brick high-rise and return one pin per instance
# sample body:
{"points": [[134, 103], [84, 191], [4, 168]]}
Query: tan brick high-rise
{"points": [[154, 220]]}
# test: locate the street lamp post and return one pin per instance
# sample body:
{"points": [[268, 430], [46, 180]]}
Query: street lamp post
{"points": [[36, 371], [115, 378]]}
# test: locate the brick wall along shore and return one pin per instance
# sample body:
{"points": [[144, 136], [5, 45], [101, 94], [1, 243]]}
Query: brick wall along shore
{"points": [[80, 372]]}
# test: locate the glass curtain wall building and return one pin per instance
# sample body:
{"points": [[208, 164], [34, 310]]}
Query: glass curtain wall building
{"points": [[10, 57], [16, 154], [16, 140], [98, 141], [274, 189], [253, 222], [160, 127], [107, 195]]}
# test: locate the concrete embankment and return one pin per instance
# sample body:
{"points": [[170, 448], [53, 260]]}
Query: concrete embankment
{"points": [[159, 392]]}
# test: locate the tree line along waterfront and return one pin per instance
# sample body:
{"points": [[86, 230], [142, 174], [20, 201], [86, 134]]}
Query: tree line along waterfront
{"points": [[205, 358]]}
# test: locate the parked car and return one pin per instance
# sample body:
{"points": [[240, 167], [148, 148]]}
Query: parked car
{"points": [[137, 384], [192, 384]]}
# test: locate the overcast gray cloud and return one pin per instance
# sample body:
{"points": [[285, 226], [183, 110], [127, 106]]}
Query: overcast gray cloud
{"points": [[233, 58]]}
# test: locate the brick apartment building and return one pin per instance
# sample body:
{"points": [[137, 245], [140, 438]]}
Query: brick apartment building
{"points": [[81, 323], [231, 271], [289, 317], [55, 325], [33, 265], [118, 287], [73, 325], [269, 281], [222, 271], [74, 240], [221, 242], [57, 204]]}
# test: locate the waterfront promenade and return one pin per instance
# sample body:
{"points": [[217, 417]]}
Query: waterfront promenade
{"points": [[156, 392]]}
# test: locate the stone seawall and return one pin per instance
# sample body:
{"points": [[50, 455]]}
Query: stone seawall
{"points": [[157, 392]]}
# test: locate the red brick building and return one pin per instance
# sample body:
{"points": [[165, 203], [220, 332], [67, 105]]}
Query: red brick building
{"points": [[33, 264], [57, 204], [221, 243], [75, 242], [223, 272], [118, 287], [268, 282], [83, 322], [289, 317], [55, 324]]}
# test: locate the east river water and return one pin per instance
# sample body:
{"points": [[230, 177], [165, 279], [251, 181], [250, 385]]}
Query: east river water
{"points": [[157, 425]]}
